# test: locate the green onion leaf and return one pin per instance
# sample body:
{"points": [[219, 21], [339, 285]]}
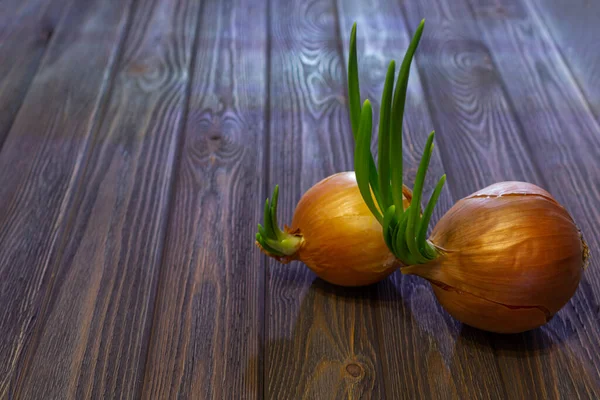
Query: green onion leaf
{"points": [[355, 110], [384, 137], [266, 247], [395, 145], [361, 158], [270, 232], [353, 86], [424, 224], [415, 206], [262, 231], [389, 223], [402, 251], [273, 211]]}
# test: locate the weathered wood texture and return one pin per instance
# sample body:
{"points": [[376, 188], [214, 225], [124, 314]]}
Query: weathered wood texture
{"points": [[207, 333], [573, 26], [140, 139], [98, 313], [26, 28], [320, 341], [38, 165]]}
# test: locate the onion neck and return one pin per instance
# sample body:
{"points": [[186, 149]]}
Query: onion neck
{"points": [[426, 253], [283, 249], [271, 239]]}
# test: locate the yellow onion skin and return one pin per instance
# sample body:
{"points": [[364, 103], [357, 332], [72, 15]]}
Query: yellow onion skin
{"points": [[342, 240], [511, 258]]}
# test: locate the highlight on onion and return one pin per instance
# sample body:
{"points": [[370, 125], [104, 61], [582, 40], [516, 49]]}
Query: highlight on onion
{"points": [[505, 259], [334, 231]]}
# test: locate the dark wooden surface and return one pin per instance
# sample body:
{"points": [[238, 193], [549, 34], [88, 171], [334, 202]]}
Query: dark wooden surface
{"points": [[140, 138]]}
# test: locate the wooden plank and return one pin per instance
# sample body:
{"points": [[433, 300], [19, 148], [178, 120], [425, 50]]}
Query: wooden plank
{"points": [[424, 351], [207, 332], [39, 160], [92, 336], [563, 135], [26, 28], [574, 27], [321, 340]]}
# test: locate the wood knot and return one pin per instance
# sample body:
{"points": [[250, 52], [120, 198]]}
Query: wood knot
{"points": [[46, 33], [354, 370]]}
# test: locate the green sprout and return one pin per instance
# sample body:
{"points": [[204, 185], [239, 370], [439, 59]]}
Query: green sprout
{"points": [[271, 238], [404, 231]]}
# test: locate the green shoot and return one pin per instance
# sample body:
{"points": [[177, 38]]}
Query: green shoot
{"points": [[395, 145], [389, 224], [270, 237], [427, 250], [384, 137], [415, 207], [355, 110], [404, 231], [362, 156]]}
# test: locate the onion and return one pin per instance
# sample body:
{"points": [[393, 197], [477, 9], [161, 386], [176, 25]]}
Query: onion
{"points": [[333, 232], [505, 259], [510, 258]]}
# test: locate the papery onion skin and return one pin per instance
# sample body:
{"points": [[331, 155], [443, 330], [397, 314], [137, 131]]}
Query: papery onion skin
{"points": [[511, 257], [342, 240]]}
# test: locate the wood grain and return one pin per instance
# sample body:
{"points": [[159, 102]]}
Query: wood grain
{"points": [[321, 340], [572, 25], [207, 332], [39, 160], [141, 138], [560, 129], [26, 28], [420, 342], [467, 101], [91, 341]]}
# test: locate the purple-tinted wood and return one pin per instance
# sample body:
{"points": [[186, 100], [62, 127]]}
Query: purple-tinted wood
{"points": [[574, 26], [92, 338], [129, 199], [26, 29], [207, 331], [38, 163]]}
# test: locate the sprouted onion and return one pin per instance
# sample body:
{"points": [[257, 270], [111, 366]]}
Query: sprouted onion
{"points": [[504, 259], [334, 231]]}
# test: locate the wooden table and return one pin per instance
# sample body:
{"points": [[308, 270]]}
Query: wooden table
{"points": [[140, 139]]}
